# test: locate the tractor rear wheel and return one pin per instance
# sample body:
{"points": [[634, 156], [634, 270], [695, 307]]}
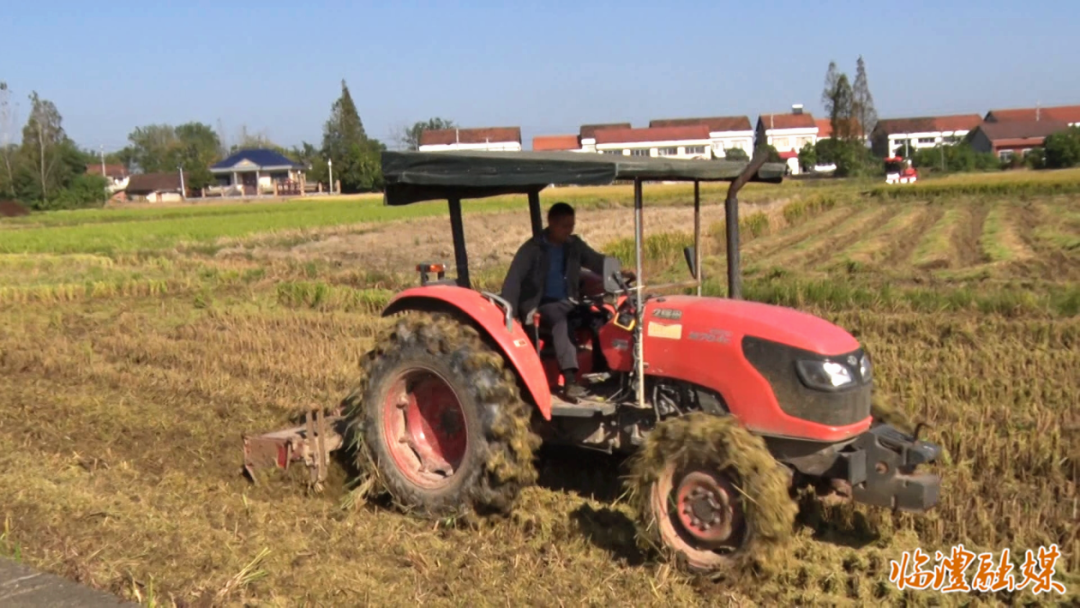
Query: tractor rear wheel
{"points": [[708, 494], [439, 420]]}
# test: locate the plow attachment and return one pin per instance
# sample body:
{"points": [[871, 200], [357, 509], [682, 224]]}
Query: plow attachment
{"points": [[310, 444]]}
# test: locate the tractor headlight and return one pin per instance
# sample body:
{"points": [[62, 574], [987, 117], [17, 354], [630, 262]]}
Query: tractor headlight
{"points": [[865, 368], [824, 375]]}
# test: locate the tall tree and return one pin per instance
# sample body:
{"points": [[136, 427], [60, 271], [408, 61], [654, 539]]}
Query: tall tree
{"points": [[409, 137], [863, 102], [344, 127], [43, 144], [837, 98], [355, 158], [165, 148], [7, 141]]}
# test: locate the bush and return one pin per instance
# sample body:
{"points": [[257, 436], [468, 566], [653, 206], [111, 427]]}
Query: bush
{"points": [[84, 191], [1063, 149]]}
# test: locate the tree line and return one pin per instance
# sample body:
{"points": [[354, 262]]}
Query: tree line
{"points": [[43, 168]]}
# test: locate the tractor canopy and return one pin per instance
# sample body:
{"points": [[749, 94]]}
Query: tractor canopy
{"points": [[412, 177]]}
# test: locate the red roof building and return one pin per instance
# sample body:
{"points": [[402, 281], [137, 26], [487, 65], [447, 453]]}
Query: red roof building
{"points": [[689, 141], [556, 142], [902, 136], [1067, 114], [504, 139], [1010, 137]]}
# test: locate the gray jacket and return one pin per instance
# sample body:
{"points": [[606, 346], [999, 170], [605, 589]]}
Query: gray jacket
{"points": [[524, 285]]}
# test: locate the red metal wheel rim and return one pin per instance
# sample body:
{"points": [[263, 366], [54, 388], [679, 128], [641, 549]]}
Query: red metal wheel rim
{"points": [[424, 426], [707, 508], [701, 551]]}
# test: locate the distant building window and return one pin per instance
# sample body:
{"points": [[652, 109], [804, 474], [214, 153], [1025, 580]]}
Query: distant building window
{"points": [[1005, 154], [614, 152], [695, 149], [781, 143], [667, 151], [927, 140], [639, 152], [952, 139]]}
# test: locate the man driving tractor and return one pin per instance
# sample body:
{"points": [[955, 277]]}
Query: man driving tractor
{"points": [[544, 279]]}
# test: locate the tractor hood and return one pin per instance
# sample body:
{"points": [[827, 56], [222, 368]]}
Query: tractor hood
{"points": [[743, 318]]}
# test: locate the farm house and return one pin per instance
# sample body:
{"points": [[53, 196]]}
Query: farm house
{"points": [[254, 172]]}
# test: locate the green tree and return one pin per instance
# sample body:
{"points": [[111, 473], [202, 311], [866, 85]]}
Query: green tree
{"points": [[1062, 149], [409, 138], [8, 148], [736, 154], [164, 148], [863, 111], [43, 147], [355, 157], [808, 157]]}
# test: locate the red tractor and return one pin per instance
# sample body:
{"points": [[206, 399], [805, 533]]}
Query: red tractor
{"points": [[724, 404]]}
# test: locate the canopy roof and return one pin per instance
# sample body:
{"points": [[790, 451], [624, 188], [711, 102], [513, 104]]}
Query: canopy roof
{"points": [[420, 176]]}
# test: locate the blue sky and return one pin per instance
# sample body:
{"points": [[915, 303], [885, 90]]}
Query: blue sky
{"points": [[276, 66]]}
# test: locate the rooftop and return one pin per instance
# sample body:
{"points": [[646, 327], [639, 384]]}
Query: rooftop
{"points": [[145, 183], [443, 137], [115, 170], [804, 120], [633, 136], [1069, 114], [256, 159], [1026, 129], [716, 124], [556, 142], [589, 131], [929, 124]]}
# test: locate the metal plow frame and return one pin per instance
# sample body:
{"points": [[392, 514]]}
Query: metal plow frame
{"points": [[310, 443]]}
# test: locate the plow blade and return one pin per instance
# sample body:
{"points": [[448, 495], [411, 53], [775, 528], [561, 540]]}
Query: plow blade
{"points": [[310, 444]]}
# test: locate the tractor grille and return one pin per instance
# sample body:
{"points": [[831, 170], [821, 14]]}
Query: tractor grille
{"points": [[776, 362]]}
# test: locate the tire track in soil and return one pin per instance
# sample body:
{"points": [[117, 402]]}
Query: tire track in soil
{"points": [[796, 248], [899, 255], [875, 248], [968, 233], [823, 222], [1048, 260], [855, 232]]}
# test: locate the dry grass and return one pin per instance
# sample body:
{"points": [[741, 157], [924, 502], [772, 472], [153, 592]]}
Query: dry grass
{"points": [[122, 405]]}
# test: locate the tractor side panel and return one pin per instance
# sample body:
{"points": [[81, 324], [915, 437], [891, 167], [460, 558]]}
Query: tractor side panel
{"points": [[514, 344], [698, 341]]}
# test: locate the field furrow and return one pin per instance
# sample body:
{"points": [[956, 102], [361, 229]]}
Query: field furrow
{"points": [[842, 236], [855, 218], [935, 248], [1000, 241], [766, 247], [878, 243], [900, 249], [968, 234]]}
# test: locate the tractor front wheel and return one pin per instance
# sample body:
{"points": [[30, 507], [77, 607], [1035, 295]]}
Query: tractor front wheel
{"points": [[439, 420], [709, 495]]}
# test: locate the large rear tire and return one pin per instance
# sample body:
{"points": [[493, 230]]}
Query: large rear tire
{"points": [[439, 422], [709, 495]]}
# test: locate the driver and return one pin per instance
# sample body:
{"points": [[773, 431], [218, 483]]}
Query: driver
{"points": [[545, 277]]}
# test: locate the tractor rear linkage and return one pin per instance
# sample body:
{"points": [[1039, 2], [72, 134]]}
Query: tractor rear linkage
{"points": [[310, 443]]}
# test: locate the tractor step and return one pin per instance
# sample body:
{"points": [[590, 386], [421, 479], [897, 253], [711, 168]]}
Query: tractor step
{"points": [[585, 408], [310, 444]]}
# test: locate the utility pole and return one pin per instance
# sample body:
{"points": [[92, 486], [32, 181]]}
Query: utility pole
{"points": [[330, 166], [103, 161], [183, 192]]}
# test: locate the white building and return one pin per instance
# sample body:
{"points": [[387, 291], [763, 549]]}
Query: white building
{"points": [[495, 139], [725, 132], [673, 142], [904, 136], [788, 133], [587, 134]]}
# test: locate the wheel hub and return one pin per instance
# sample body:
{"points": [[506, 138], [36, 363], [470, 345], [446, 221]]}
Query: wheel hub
{"points": [[425, 427], [705, 507]]}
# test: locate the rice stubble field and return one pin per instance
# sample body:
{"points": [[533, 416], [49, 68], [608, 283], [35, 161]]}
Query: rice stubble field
{"points": [[138, 345]]}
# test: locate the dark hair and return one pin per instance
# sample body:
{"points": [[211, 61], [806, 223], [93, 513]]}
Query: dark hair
{"points": [[560, 210]]}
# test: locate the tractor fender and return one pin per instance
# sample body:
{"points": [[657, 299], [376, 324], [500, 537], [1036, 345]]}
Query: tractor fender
{"points": [[491, 319]]}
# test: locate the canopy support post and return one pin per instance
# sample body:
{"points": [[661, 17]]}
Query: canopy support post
{"points": [[731, 219], [461, 257], [697, 236], [534, 213], [639, 338]]}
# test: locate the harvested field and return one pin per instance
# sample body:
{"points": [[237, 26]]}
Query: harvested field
{"points": [[135, 351]]}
